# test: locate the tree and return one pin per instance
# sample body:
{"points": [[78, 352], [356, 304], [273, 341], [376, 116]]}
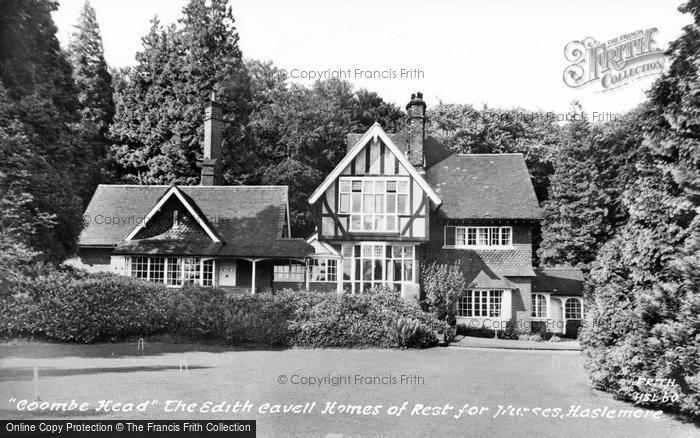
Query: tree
{"points": [[158, 126], [591, 170], [41, 152], [645, 321], [94, 83]]}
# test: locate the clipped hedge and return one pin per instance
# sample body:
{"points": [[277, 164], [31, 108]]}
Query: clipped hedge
{"points": [[112, 308]]}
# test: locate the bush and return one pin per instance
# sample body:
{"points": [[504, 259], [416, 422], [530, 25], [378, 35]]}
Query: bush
{"points": [[194, 311], [443, 284], [403, 331], [464, 330], [112, 308], [262, 318]]}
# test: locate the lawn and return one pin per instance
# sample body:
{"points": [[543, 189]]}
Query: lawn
{"points": [[432, 379]]}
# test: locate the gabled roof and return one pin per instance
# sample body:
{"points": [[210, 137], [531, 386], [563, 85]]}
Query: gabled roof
{"points": [[558, 281], [174, 191], [248, 219], [484, 186], [375, 131]]}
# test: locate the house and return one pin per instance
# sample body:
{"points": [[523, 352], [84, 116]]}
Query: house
{"points": [[394, 201], [234, 237]]}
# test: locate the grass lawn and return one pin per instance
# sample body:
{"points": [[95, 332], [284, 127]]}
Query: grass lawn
{"points": [[453, 376]]}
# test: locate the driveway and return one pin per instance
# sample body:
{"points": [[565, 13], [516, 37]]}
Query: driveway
{"points": [[434, 385]]}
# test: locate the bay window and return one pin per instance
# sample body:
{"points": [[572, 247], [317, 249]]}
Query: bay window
{"points": [[323, 270], [369, 265], [480, 303], [373, 203]]}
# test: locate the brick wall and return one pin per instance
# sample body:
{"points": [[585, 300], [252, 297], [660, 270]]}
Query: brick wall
{"points": [[502, 261]]}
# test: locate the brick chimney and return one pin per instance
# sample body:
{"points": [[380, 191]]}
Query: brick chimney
{"points": [[416, 131], [211, 165]]}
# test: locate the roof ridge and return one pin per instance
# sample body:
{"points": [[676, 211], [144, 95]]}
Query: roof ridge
{"points": [[488, 155], [258, 186]]}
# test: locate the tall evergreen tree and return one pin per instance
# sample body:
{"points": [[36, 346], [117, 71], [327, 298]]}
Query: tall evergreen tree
{"points": [[645, 321], [94, 83], [158, 126], [40, 152], [591, 170]]}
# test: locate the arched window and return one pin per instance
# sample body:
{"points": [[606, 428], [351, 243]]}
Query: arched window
{"points": [[573, 309], [539, 306]]}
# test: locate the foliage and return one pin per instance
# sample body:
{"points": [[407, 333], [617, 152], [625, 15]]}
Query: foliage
{"points": [[403, 331], [75, 307], [158, 125], [591, 170], [41, 151], [645, 319], [94, 84], [443, 284]]}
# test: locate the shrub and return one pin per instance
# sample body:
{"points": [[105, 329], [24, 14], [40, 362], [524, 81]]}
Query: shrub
{"points": [[443, 284], [403, 330], [463, 329], [194, 311], [262, 318]]}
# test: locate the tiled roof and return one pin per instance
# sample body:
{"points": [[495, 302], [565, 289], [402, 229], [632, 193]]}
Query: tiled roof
{"points": [[474, 186], [249, 219], [484, 186], [559, 281]]}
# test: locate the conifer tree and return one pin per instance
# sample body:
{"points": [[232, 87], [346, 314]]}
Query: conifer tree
{"points": [[40, 153], [158, 126], [645, 319], [94, 84]]}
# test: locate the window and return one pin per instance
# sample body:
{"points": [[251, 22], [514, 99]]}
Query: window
{"points": [[539, 306], [370, 265], [139, 267], [289, 272], [373, 203], [157, 269], [572, 309], [208, 273], [323, 270], [190, 270], [479, 237], [174, 272], [480, 304], [402, 258]]}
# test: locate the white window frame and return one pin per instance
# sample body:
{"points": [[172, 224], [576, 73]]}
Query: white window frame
{"points": [[329, 274], [180, 281], [490, 301], [534, 311], [285, 274], [580, 307], [402, 190], [351, 262], [478, 232]]}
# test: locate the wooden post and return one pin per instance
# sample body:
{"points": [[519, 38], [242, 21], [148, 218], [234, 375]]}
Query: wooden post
{"points": [[252, 287], [36, 383], [306, 274]]}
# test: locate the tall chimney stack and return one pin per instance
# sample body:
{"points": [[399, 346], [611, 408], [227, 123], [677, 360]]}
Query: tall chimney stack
{"points": [[213, 121], [416, 131]]}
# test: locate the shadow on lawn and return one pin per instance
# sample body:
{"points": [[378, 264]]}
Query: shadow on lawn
{"points": [[46, 350], [26, 373]]}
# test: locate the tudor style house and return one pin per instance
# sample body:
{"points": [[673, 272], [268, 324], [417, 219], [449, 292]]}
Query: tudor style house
{"points": [[393, 202]]}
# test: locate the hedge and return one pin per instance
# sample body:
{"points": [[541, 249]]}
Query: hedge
{"points": [[112, 308]]}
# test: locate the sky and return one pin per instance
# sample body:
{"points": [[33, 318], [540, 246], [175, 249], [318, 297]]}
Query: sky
{"points": [[499, 53]]}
